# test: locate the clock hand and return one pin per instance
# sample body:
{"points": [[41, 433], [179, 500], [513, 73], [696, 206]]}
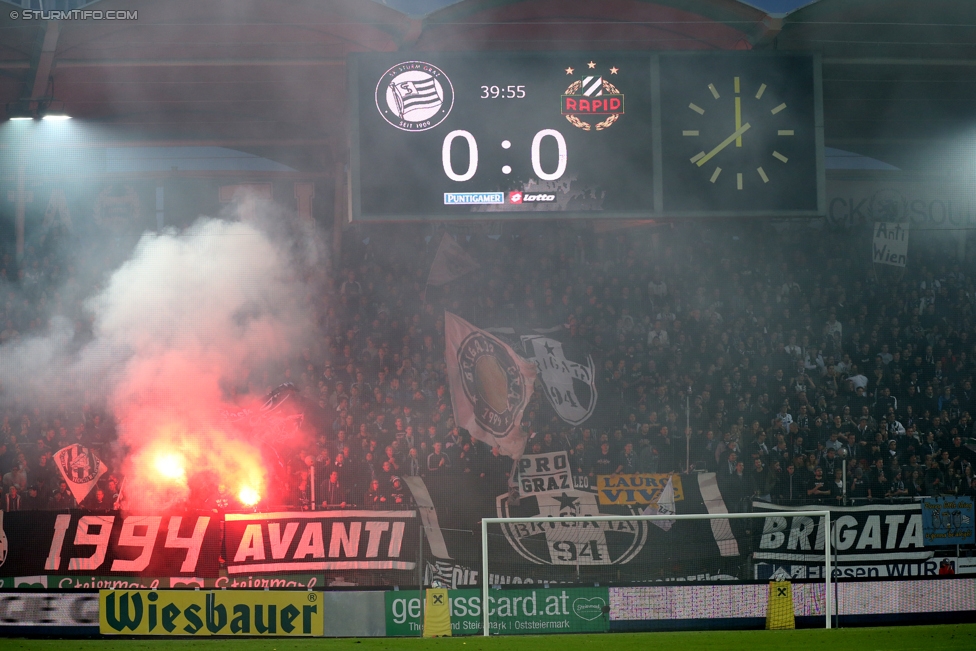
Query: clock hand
{"points": [[722, 145]]}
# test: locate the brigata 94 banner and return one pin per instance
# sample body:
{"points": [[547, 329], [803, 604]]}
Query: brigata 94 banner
{"points": [[42, 543]]}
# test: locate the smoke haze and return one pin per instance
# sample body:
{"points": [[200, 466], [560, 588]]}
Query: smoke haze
{"points": [[179, 332]]}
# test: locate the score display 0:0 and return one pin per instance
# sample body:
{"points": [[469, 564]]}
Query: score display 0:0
{"points": [[503, 92], [473, 155]]}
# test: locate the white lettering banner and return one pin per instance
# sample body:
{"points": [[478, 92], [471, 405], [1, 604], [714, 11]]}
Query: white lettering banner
{"points": [[890, 243]]}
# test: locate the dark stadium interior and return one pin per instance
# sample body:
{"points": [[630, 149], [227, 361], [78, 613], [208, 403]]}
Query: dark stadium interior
{"points": [[197, 320]]}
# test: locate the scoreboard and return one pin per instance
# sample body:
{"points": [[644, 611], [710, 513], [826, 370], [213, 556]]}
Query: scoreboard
{"points": [[461, 136]]}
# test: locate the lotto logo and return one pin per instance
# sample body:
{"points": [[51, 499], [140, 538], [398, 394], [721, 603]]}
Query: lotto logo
{"points": [[530, 197]]}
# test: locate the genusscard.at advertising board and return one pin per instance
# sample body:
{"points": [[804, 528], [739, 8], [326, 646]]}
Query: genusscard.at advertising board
{"points": [[510, 612]]}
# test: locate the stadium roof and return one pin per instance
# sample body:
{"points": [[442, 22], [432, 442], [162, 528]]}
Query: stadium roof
{"points": [[268, 76]]}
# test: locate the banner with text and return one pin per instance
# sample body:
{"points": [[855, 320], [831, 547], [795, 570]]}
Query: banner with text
{"points": [[544, 473], [890, 244], [510, 612], [948, 521], [636, 489], [315, 541], [871, 541], [88, 583], [205, 613], [43, 543]]}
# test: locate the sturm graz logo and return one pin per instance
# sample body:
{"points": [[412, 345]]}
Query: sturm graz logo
{"points": [[414, 96], [571, 543], [493, 383], [79, 464]]}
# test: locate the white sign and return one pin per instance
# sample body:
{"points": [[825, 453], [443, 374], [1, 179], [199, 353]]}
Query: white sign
{"points": [[544, 473], [890, 243]]}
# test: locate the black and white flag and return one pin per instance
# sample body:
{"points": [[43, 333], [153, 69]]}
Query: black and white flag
{"points": [[415, 95], [81, 469], [570, 385], [450, 262]]}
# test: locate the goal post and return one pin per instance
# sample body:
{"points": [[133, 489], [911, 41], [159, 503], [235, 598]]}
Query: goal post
{"points": [[551, 522]]}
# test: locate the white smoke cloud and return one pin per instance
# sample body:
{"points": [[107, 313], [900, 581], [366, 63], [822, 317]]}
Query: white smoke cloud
{"points": [[176, 331]]}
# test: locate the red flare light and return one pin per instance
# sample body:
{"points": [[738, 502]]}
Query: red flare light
{"points": [[248, 496], [171, 466]]}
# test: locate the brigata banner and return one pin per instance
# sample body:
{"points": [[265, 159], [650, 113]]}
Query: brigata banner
{"points": [[205, 613], [636, 489], [315, 541], [41, 543], [870, 541], [510, 612]]}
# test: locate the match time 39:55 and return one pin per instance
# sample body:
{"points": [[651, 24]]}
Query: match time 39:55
{"points": [[503, 92]]}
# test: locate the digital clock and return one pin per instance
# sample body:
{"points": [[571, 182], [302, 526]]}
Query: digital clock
{"points": [[503, 92], [581, 134]]}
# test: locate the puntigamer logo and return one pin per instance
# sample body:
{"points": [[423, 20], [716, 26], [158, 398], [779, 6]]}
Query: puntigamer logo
{"points": [[204, 613]]}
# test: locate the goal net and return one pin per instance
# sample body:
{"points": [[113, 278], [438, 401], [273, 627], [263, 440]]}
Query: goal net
{"points": [[640, 572]]}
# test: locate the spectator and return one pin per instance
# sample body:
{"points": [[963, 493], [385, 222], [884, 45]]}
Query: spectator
{"points": [[817, 488], [333, 493], [12, 500], [438, 463]]}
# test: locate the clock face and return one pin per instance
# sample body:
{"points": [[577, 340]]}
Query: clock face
{"points": [[738, 133]]}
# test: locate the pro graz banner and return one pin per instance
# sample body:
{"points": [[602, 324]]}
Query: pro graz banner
{"points": [[205, 613], [543, 473], [510, 612], [870, 541], [314, 541], [42, 544], [587, 552]]}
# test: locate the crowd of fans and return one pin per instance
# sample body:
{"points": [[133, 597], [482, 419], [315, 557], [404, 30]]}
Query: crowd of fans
{"points": [[784, 362]]}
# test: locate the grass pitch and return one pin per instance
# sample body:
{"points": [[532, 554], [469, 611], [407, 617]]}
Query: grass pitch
{"points": [[899, 638]]}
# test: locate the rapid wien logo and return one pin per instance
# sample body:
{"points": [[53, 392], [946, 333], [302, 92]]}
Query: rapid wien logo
{"points": [[592, 96]]}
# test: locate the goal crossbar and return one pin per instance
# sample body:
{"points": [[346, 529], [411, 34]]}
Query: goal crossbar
{"points": [[828, 606]]}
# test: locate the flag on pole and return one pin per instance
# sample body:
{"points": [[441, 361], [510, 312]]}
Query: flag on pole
{"points": [[664, 506], [450, 262], [81, 469], [490, 385]]}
